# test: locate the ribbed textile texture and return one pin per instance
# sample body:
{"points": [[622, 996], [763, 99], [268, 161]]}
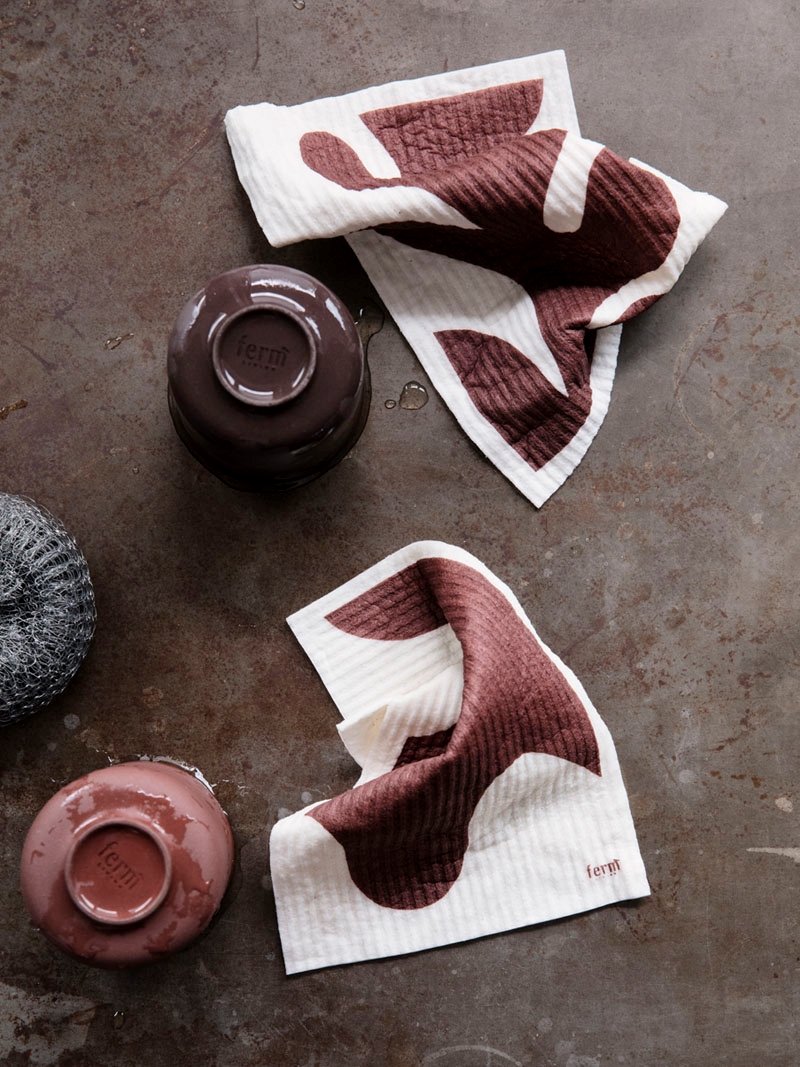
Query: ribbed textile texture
{"points": [[507, 248], [490, 795]]}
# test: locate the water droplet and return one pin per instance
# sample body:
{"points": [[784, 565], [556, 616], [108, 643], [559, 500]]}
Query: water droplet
{"points": [[71, 721], [390, 404], [115, 342], [299, 4], [16, 406], [369, 322], [118, 1020], [413, 397]]}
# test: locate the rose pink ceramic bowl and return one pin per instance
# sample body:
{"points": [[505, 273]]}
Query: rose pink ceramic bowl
{"points": [[128, 864]]}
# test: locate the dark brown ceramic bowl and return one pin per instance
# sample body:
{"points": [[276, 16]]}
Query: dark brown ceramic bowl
{"points": [[268, 382]]}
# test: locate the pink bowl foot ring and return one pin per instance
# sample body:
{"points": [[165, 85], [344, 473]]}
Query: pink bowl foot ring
{"points": [[118, 873], [127, 865]]}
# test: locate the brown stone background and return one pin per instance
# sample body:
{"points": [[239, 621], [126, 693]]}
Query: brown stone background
{"points": [[665, 572]]}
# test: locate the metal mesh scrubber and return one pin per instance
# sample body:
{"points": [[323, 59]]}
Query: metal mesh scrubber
{"points": [[47, 610]]}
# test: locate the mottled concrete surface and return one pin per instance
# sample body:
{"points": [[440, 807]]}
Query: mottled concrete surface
{"points": [[665, 572]]}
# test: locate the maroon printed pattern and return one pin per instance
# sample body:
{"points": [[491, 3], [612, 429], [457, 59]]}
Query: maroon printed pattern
{"points": [[405, 833], [532, 416], [472, 152]]}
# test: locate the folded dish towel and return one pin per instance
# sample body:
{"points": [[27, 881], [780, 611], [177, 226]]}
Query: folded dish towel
{"points": [[507, 248], [490, 794]]}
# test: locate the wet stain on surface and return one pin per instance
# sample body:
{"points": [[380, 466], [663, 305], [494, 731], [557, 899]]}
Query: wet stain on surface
{"points": [[114, 342], [369, 322], [18, 405]]}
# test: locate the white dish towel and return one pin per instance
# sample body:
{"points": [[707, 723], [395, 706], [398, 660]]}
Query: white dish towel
{"points": [[490, 795], [507, 248]]}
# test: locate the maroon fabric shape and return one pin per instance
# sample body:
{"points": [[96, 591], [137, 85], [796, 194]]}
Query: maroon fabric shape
{"points": [[405, 833], [404, 607], [471, 151], [419, 748], [532, 416], [426, 136]]}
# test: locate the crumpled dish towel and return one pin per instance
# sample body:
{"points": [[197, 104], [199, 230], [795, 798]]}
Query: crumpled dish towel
{"points": [[490, 795], [507, 248]]}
